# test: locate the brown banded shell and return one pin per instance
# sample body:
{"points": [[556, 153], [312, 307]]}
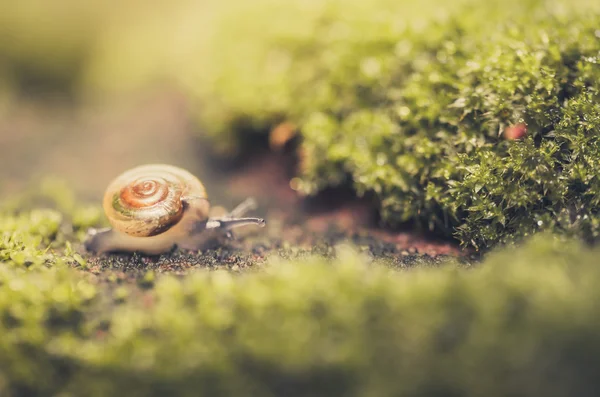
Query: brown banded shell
{"points": [[148, 200]]}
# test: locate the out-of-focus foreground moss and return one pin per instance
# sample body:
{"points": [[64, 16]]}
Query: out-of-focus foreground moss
{"points": [[522, 323]]}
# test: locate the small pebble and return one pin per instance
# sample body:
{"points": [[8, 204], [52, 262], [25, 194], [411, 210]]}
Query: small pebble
{"points": [[515, 132]]}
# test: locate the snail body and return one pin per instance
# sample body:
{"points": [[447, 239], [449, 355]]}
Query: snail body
{"points": [[154, 208]]}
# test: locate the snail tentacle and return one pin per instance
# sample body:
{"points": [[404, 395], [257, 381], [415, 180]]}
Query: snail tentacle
{"points": [[231, 223], [235, 217], [244, 207]]}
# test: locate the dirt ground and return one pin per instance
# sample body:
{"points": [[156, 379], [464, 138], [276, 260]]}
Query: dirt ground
{"points": [[88, 145]]}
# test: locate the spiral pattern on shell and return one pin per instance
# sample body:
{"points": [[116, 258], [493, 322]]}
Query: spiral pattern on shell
{"points": [[148, 200]]}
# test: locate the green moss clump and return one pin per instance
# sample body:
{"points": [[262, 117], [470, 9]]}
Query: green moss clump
{"points": [[411, 103], [28, 239], [523, 322]]}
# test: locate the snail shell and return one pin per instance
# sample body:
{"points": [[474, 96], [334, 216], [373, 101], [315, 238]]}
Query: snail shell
{"points": [[148, 200]]}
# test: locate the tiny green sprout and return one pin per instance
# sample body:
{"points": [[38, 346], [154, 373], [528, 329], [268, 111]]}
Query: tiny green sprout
{"points": [[80, 260]]}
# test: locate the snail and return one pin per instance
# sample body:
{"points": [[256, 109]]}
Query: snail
{"points": [[155, 208]]}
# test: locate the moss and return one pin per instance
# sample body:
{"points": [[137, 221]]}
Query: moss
{"points": [[522, 322], [412, 103]]}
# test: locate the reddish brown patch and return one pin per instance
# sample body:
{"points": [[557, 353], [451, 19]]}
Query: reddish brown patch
{"points": [[421, 243], [351, 215], [281, 135], [267, 177], [515, 132], [96, 269]]}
